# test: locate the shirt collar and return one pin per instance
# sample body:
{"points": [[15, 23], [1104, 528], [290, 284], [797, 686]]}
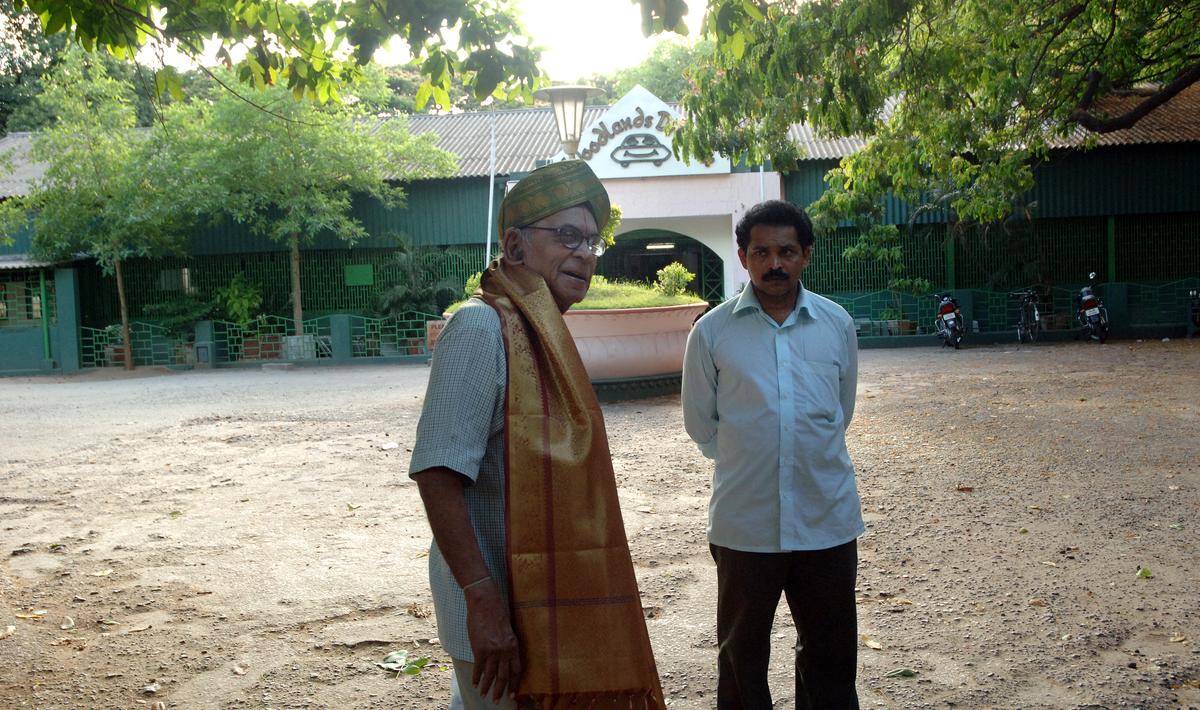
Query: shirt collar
{"points": [[748, 300]]}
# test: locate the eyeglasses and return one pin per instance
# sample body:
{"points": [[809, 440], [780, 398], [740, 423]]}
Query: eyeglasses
{"points": [[570, 237]]}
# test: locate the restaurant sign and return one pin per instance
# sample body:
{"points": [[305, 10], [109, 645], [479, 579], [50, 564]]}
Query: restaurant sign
{"points": [[630, 140]]}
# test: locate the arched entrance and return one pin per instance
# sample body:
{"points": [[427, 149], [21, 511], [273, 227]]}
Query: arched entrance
{"points": [[638, 255]]}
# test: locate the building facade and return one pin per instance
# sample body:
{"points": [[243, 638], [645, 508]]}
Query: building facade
{"points": [[1128, 209]]}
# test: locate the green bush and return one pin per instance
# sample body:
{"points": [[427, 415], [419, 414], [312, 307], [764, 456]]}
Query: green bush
{"points": [[673, 279], [240, 300], [606, 295], [472, 283]]}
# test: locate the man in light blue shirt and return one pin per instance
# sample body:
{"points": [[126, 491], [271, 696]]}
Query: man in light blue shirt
{"points": [[768, 391]]}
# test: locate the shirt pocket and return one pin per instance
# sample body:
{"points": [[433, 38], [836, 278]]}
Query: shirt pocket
{"points": [[820, 391]]}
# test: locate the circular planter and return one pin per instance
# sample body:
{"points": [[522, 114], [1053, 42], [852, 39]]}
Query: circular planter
{"points": [[632, 342]]}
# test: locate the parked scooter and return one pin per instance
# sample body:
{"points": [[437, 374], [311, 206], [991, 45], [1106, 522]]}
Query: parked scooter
{"points": [[1194, 313], [1093, 316], [949, 321]]}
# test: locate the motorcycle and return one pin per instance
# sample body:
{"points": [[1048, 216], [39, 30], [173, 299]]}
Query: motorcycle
{"points": [[1093, 316], [1194, 313], [949, 321]]}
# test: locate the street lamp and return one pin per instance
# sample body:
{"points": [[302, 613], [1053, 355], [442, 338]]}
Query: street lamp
{"points": [[568, 102]]}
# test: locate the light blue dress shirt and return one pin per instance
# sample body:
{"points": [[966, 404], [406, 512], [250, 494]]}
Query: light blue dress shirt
{"points": [[770, 403]]}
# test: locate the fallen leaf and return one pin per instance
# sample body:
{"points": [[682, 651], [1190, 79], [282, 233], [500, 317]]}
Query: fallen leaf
{"points": [[964, 488], [1035, 507], [36, 614], [1048, 563], [106, 622], [1038, 602], [1145, 573], [399, 663], [101, 573], [900, 673], [352, 507], [238, 670], [137, 629], [1179, 638], [902, 600], [871, 643], [68, 623]]}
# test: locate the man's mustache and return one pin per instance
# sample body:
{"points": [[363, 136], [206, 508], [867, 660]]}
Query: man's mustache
{"points": [[775, 275]]}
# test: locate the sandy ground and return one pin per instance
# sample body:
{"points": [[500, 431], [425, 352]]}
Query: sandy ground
{"points": [[242, 539]]}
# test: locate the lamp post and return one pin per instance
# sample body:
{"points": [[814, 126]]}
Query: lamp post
{"points": [[568, 103]]}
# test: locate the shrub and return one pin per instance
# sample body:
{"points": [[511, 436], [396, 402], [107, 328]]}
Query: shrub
{"points": [[673, 279]]}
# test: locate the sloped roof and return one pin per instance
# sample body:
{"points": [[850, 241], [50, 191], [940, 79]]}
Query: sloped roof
{"points": [[1176, 121], [524, 136], [21, 261]]}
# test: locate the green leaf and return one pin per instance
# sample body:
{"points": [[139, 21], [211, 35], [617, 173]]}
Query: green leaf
{"points": [[1145, 573], [424, 91], [737, 45], [900, 673]]}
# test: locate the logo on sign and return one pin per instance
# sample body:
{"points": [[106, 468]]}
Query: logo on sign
{"points": [[640, 148], [604, 134]]}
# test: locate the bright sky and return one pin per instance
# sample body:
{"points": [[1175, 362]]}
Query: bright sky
{"points": [[584, 37], [578, 37]]}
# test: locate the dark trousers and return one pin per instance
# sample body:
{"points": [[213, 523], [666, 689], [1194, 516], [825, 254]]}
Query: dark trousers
{"points": [[819, 588]]}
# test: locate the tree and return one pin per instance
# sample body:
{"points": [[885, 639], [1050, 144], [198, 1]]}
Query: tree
{"points": [[957, 100], [108, 190], [291, 174], [665, 72], [302, 44]]}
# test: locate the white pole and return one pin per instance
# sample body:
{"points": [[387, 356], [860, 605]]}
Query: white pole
{"points": [[491, 195], [761, 194]]}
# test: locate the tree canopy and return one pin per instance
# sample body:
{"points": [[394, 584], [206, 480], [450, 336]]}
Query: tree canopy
{"points": [[317, 47], [664, 72], [957, 99]]}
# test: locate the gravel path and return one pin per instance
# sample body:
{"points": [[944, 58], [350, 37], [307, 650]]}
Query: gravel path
{"points": [[249, 539]]}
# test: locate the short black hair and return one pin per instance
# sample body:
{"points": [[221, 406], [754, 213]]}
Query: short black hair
{"points": [[775, 213]]}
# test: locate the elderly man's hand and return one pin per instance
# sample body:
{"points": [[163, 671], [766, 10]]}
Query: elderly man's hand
{"points": [[497, 656]]}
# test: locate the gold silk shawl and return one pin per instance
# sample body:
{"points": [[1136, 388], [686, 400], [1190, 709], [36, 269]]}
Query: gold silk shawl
{"points": [[573, 595]]}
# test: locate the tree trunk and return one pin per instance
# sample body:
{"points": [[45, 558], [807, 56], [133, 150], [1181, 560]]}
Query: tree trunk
{"points": [[297, 311], [125, 335]]}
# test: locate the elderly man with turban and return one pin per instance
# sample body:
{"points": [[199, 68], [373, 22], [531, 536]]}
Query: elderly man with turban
{"points": [[532, 580]]}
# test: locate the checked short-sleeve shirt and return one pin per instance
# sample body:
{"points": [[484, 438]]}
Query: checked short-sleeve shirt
{"points": [[462, 429]]}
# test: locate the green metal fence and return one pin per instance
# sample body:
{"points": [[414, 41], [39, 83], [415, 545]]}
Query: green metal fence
{"points": [[331, 281], [263, 339], [151, 346], [391, 336]]}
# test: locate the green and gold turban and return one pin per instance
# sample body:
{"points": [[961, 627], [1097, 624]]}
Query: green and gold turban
{"points": [[553, 188]]}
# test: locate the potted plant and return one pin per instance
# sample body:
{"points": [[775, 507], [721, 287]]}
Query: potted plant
{"points": [[630, 330]]}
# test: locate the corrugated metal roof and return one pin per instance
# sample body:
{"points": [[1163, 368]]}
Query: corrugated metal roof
{"points": [[1176, 121], [21, 261], [815, 148], [524, 136]]}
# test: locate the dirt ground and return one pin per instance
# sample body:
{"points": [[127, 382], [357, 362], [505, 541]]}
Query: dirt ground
{"points": [[249, 539]]}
